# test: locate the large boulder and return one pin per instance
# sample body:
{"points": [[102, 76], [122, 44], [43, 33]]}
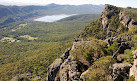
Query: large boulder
{"points": [[120, 71], [53, 69], [37, 78], [69, 70], [22, 77], [120, 58], [126, 20], [134, 54], [133, 70]]}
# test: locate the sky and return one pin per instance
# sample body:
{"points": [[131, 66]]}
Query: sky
{"points": [[119, 3]]}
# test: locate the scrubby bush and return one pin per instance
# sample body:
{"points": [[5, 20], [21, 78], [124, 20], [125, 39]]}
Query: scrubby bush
{"points": [[132, 78], [129, 55], [100, 70]]}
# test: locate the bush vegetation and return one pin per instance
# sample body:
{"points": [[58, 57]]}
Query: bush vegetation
{"points": [[100, 70]]}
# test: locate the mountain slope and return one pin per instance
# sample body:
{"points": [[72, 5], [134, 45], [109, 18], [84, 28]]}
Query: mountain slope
{"points": [[103, 51], [20, 56]]}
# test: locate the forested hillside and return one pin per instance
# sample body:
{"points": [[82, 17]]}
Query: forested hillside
{"points": [[104, 50], [30, 47]]}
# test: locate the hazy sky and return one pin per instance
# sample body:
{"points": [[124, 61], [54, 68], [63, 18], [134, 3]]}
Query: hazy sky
{"points": [[120, 3]]}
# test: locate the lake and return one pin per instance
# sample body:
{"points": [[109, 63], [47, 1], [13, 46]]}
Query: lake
{"points": [[52, 18]]}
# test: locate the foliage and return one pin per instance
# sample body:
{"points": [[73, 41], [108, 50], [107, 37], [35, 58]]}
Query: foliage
{"points": [[94, 51], [24, 57], [129, 55], [114, 27], [99, 71], [47, 32], [113, 48], [35, 56], [94, 29], [131, 78], [132, 13]]}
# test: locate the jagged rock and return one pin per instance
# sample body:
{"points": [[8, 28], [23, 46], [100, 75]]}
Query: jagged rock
{"points": [[133, 69], [120, 58], [126, 20], [76, 44], [53, 69], [120, 71], [66, 54], [82, 75], [55, 66], [131, 23], [110, 40], [134, 54], [69, 70], [37, 78], [104, 16], [64, 69], [21, 77], [57, 78]]}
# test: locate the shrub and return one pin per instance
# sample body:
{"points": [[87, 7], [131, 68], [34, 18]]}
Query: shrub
{"points": [[100, 70], [132, 78], [129, 55]]}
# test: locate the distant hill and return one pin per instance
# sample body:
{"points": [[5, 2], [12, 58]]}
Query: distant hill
{"points": [[20, 13]]}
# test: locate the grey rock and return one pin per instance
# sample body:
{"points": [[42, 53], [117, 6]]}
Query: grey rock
{"points": [[120, 58], [53, 69], [133, 70], [120, 71], [134, 54], [37, 78], [126, 20], [22, 77]]}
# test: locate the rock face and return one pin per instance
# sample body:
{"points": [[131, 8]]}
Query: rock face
{"points": [[134, 54], [66, 68], [109, 11], [120, 71], [22, 77], [69, 70], [120, 58], [133, 69], [55, 66], [126, 20]]}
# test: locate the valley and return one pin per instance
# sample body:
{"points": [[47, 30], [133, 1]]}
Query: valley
{"points": [[29, 46], [68, 43]]}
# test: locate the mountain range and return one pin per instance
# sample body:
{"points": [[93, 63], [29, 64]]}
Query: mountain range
{"points": [[19, 13]]}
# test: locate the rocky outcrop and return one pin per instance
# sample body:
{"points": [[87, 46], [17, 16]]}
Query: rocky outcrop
{"points": [[106, 15], [126, 20], [67, 68], [82, 75], [121, 39], [110, 11], [120, 58], [120, 71], [133, 69], [36, 78], [55, 66], [22, 77]]}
